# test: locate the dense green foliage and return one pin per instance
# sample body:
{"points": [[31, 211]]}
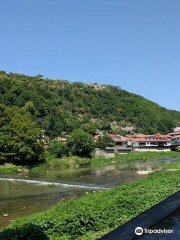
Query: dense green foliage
{"points": [[80, 143], [20, 138], [97, 212], [58, 106], [58, 149], [104, 141]]}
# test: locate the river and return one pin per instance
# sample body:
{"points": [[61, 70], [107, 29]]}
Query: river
{"points": [[25, 193]]}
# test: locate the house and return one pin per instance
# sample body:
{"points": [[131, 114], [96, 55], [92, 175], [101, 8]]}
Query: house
{"points": [[176, 140], [120, 147], [151, 142], [121, 141], [174, 134], [136, 136], [96, 138], [168, 136]]}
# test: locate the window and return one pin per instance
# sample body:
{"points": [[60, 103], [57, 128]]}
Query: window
{"points": [[142, 144]]}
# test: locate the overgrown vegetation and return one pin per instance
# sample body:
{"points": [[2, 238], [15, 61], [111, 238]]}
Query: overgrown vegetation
{"points": [[91, 216], [58, 106]]}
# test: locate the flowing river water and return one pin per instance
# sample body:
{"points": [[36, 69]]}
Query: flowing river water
{"points": [[25, 193]]}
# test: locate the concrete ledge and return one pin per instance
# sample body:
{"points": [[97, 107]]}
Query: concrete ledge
{"points": [[145, 219]]}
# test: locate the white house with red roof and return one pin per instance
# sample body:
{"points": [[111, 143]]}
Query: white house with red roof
{"points": [[156, 141]]}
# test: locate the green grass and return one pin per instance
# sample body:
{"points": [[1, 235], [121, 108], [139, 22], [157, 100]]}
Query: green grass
{"points": [[62, 163], [9, 168], [97, 213]]}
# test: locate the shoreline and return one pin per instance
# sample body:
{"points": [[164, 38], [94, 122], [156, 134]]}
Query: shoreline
{"points": [[77, 162]]}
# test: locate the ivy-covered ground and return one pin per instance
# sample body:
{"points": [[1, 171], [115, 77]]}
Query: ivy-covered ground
{"points": [[97, 213]]}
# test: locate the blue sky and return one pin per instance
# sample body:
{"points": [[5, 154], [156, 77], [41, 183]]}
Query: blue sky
{"points": [[134, 44]]}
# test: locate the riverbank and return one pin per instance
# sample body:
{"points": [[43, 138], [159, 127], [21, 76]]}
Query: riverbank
{"points": [[75, 162], [133, 156], [97, 213], [49, 164]]}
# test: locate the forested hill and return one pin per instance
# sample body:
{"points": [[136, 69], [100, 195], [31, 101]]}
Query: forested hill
{"points": [[58, 106]]}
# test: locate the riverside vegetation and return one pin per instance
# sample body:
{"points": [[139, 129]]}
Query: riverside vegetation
{"points": [[75, 161], [97, 213]]}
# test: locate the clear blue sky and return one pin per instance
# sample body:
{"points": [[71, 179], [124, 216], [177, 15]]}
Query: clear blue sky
{"points": [[134, 44]]}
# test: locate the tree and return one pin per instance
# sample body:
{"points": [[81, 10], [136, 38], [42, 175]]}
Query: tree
{"points": [[104, 141], [40, 76], [80, 143], [58, 149], [20, 138], [90, 128]]}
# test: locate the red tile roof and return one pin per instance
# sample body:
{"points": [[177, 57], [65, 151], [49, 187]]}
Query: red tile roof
{"points": [[178, 136], [150, 140], [96, 137]]}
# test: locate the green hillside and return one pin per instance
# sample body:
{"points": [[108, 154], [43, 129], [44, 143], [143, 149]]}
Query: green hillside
{"points": [[58, 106]]}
